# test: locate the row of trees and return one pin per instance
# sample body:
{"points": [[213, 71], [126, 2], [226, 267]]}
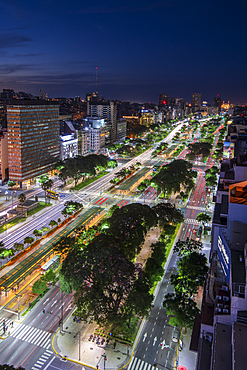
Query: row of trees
{"points": [[192, 268], [110, 287], [82, 167]]}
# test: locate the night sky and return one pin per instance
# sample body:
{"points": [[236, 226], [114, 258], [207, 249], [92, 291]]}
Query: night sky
{"points": [[141, 48]]}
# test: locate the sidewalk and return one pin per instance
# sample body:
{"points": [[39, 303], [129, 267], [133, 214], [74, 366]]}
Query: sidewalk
{"points": [[186, 357], [66, 345]]}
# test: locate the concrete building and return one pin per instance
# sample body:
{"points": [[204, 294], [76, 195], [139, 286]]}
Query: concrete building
{"points": [[33, 139], [223, 324], [121, 129], [68, 140], [106, 110], [3, 155], [94, 130]]}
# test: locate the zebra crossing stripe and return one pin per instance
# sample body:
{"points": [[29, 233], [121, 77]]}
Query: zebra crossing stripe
{"points": [[145, 366], [32, 335], [138, 364], [29, 335], [134, 359], [43, 339]]}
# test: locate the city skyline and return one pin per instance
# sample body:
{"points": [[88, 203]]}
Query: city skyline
{"points": [[141, 49]]}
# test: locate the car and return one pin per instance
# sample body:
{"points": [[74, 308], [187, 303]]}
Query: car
{"points": [[90, 338], [175, 336]]}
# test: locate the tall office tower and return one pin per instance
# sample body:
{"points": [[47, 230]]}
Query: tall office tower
{"points": [[217, 103], [163, 99], [33, 138], [196, 99], [108, 111]]}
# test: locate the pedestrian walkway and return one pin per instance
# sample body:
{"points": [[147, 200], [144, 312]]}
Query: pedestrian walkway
{"points": [[32, 335], [41, 362], [138, 364]]}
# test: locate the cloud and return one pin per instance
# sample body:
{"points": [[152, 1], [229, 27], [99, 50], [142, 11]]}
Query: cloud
{"points": [[13, 68], [10, 40]]}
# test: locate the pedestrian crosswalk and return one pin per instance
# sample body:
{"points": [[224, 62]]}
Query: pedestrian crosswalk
{"points": [[138, 364], [198, 208], [39, 364], [32, 335], [192, 221]]}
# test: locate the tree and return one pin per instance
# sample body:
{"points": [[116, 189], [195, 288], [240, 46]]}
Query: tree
{"points": [[11, 183], [71, 207], [192, 268], [167, 214], [37, 233], [182, 309], [174, 177], [128, 226], [102, 278], [6, 253], [10, 367], [49, 276], [39, 287], [203, 217], [18, 247], [187, 246], [199, 149], [28, 240], [22, 198], [52, 223], [46, 185]]}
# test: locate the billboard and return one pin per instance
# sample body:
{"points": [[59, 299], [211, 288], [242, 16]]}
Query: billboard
{"points": [[228, 150], [224, 255]]}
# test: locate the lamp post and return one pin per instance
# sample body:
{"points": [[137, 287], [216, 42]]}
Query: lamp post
{"points": [[79, 347]]}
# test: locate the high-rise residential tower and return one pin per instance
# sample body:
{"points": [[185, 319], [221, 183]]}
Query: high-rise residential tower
{"points": [[33, 138]]}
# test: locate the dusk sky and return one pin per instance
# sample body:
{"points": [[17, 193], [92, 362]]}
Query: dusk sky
{"points": [[141, 48]]}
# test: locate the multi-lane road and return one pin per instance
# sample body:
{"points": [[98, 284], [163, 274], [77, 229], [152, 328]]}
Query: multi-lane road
{"points": [[29, 343]]}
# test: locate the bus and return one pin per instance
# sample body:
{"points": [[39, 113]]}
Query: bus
{"points": [[52, 194], [51, 264]]}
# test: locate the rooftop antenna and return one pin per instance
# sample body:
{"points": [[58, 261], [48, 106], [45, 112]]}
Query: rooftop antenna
{"points": [[96, 78]]}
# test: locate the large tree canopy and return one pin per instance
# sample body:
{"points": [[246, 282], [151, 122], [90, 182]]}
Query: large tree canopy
{"points": [[103, 279], [128, 227], [168, 213], [175, 176]]}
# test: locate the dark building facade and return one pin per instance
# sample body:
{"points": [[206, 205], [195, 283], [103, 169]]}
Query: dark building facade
{"points": [[33, 138]]}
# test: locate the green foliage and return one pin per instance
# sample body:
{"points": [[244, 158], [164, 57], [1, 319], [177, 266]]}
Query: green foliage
{"points": [[28, 240], [37, 233], [18, 247], [168, 214], [199, 149], [70, 208], [182, 308], [128, 227], [49, 276], [46, 185], [203, 217], [175, 176], [39, 286], [192, 268], [53, 223], [187, 246], [11, 183]]}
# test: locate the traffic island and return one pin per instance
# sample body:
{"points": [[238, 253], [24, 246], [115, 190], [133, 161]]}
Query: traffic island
{"points": [[73, 343]]}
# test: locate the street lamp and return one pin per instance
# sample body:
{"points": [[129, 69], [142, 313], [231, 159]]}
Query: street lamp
{"points": [[79, 343]]}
